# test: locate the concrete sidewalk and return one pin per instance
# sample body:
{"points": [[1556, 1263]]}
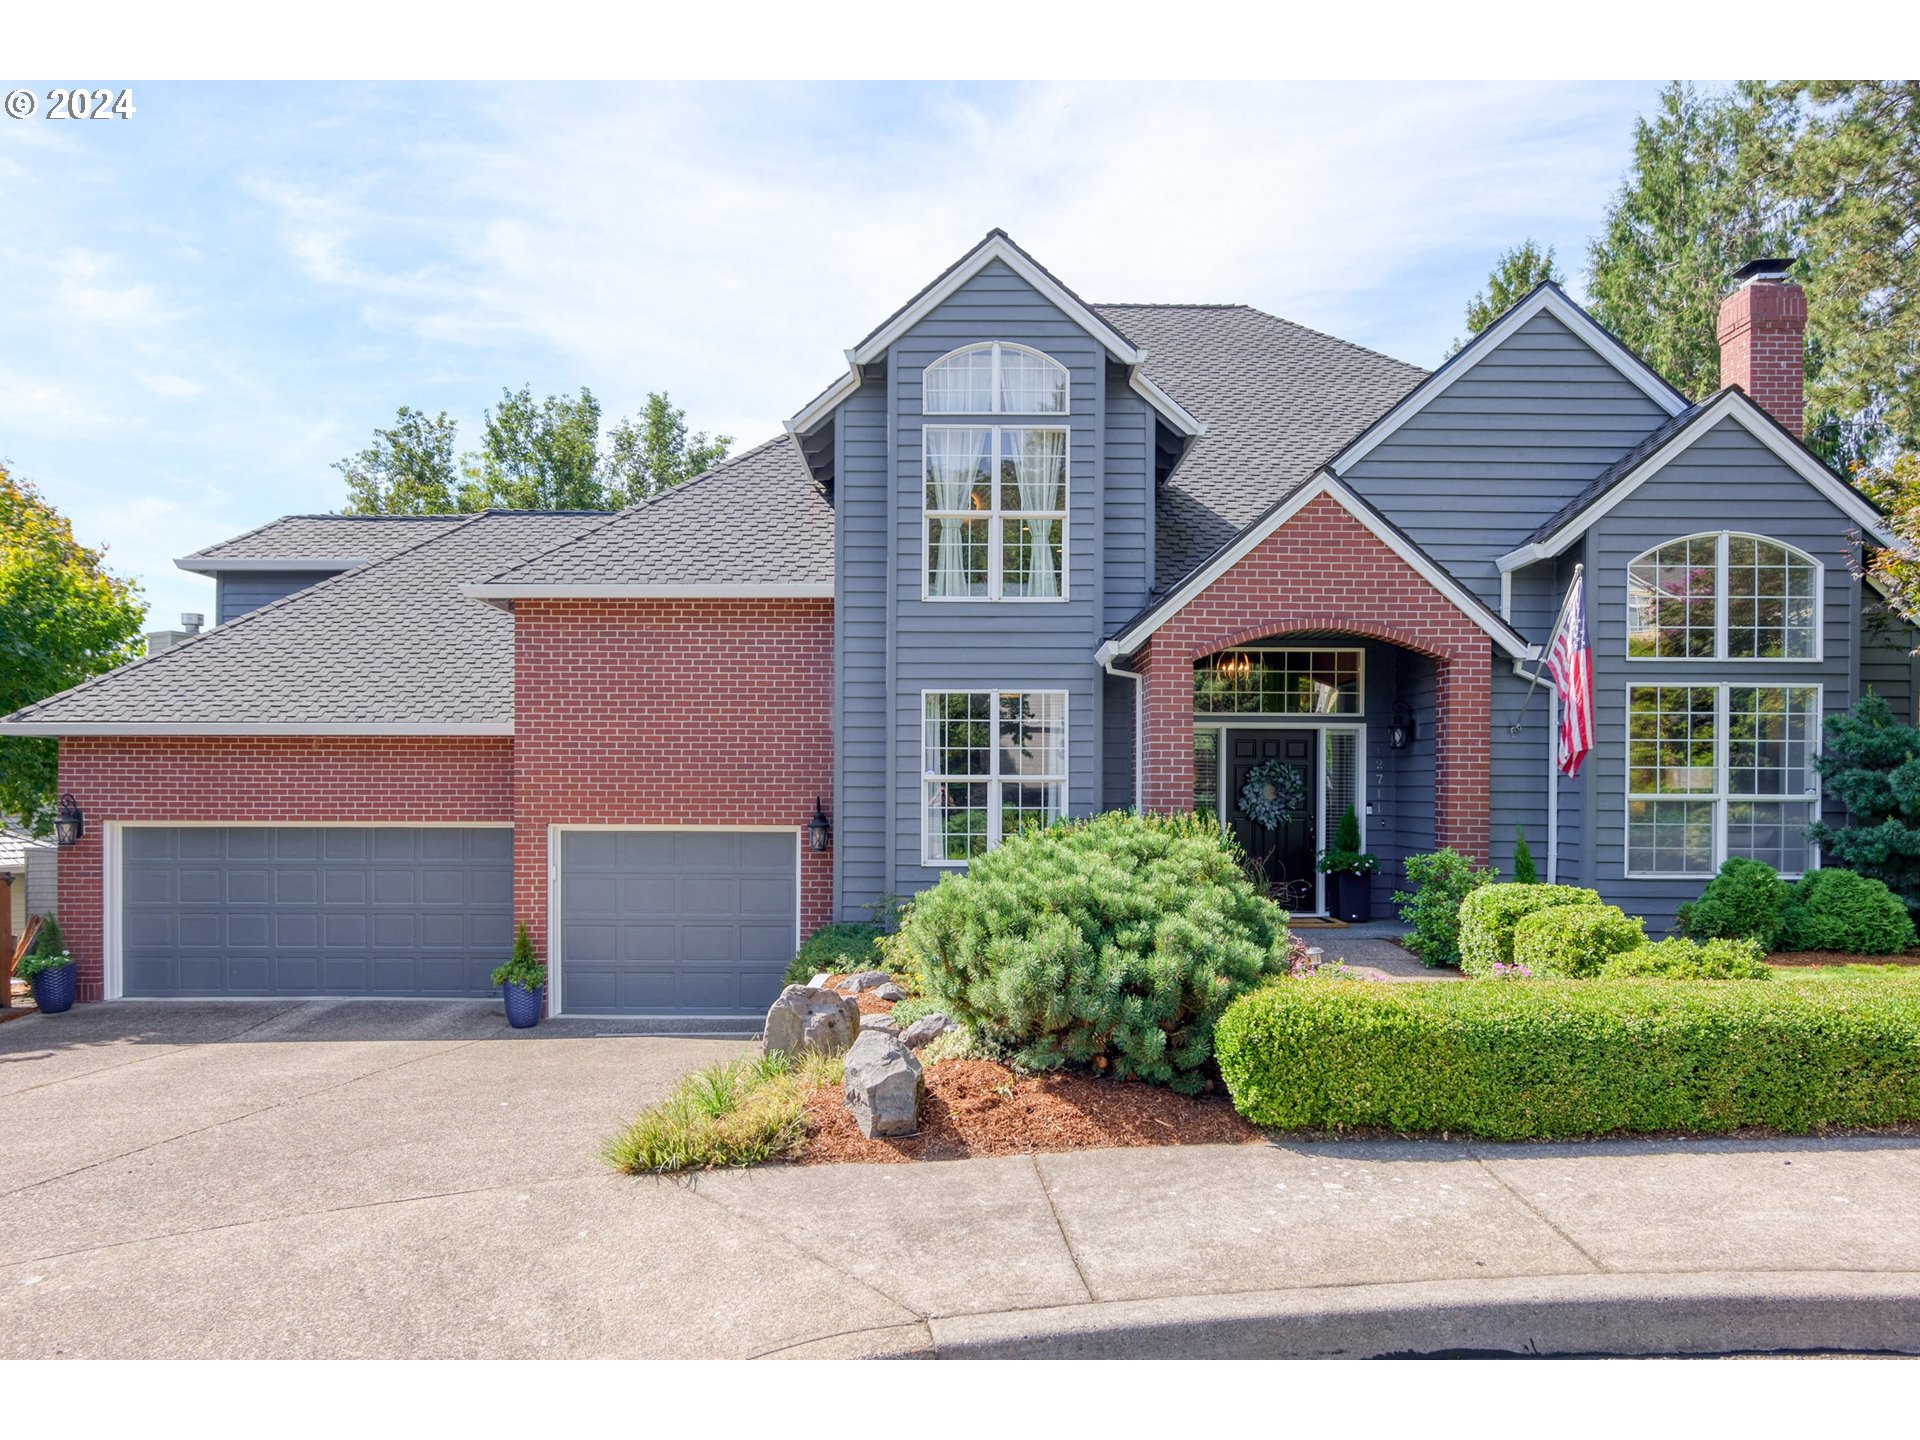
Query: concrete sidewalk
{"points": [[365, 1180]]}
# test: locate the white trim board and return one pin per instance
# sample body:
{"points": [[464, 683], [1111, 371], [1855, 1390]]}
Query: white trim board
{"points": [[224, 565], [996, 247], [247, 727], [1728, 405], [1547, 298], [712, 590], [1131, 638]]}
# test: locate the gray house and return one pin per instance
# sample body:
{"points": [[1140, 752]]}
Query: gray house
{"points": [[1027, 557]]}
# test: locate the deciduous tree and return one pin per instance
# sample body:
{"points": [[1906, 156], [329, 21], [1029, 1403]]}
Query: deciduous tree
{"points": [[409, 469]]}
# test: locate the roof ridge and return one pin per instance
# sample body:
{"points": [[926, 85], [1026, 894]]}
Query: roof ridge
{"points": [[193, 642], [1169, 305], [645, 505]]}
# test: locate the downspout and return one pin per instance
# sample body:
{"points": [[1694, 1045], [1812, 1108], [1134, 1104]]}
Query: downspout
{"points": [[1139, 730]]}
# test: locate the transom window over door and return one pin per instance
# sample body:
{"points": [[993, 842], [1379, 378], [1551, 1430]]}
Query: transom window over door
{"points": [[1716, 772], [994, 761], [995, 379], [1723, 596], [996, 512]]}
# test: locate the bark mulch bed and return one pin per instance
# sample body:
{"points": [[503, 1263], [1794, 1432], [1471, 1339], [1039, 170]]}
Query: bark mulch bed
{"points": [[1840, 957], [977, 1107]]}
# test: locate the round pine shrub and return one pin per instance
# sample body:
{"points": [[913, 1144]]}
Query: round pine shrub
{"points": [[1574, 941], [1677, 959], [1120, 938], [1746, 900], [1840, 910], [1488, 915]]}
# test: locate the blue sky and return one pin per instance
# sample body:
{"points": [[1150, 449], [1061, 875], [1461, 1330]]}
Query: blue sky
{"points": [[203, 307]]}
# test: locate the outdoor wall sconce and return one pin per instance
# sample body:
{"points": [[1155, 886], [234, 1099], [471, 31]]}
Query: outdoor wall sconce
{"points": [[1401, 732], [68, 823], [819, 829]]}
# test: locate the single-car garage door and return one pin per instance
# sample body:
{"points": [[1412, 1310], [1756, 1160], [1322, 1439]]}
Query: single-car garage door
{"points": [[676, 922], [310, 910]]}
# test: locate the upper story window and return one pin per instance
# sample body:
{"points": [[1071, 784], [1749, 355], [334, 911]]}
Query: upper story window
{"points": [[995, 503], [1723, 596], [995, 379]]}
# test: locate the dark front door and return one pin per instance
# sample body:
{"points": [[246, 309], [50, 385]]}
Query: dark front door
{"points": [[1286, 854]]}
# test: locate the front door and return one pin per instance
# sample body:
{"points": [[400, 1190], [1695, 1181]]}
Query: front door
{"points": [[1285, 854]]}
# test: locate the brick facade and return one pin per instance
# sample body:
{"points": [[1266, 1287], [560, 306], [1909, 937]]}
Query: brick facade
{"points": [[1325, 571], [670, 712], [1763, 348], [361, 779]]}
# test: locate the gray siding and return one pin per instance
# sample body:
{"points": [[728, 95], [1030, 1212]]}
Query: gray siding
{"points": [[43, 880], [240, 591], [1503, 448], [1528, 791], [1886, 657], [1118, 705], [1127, 532], [860, 618], [1724, 474]]}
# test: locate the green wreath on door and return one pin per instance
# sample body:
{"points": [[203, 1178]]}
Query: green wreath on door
{"points": [[1274, 794]]}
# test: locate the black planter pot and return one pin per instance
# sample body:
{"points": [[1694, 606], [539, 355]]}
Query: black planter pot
{"points": [[53, 990], [1350, 896]]}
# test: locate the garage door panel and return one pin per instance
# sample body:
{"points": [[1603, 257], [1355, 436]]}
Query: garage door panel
{"points": [[303, 910], [668, 922]]}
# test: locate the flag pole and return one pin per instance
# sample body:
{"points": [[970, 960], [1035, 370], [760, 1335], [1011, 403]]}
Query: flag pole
{"points": [[1546, 650]]}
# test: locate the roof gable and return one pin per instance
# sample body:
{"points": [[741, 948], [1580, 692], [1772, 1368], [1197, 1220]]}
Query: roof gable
{"points": [[318, 542]]}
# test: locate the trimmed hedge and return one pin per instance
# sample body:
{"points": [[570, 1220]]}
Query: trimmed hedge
{"points": [[1555, 1059], [1431, 909], [1575, 940], [1488, 915], [1839, 910], [1678, 959], [1747, 899]]}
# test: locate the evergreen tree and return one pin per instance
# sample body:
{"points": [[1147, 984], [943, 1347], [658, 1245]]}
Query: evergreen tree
{"points": [[1871, 764], [1523, 871], [1515, 273]]}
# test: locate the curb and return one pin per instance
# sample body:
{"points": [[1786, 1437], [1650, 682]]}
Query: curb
{"points": [[1702, 1313]]}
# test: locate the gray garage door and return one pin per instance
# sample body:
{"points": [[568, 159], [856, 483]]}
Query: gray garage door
{"points": [[256, 910], [675, 922]]}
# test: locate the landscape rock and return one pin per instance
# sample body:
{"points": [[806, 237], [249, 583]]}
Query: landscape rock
{"points": [[868, 980], [926, 1029], [885, 1086], [889, 991], [821, 981], [886, 1024], [806, 1017]]}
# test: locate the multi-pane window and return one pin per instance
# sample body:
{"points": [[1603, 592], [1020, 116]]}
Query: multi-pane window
{"points": [[995, 379], [1206, 772], [1277, 682], [995, 761], [1723, 596], [996, 508], [1719, 771]]}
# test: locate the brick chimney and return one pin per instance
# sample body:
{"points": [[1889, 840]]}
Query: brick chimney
{"points": [[1763, 340]]}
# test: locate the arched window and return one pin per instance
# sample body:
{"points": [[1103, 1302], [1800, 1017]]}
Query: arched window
{"points": [[995, 379], [1723, 596]]}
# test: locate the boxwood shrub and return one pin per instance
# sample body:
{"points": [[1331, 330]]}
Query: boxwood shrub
{"points": [[1747, 899], [1488, 915], [1431, 909], [1119, 938], [1678, 959], [1840, 910], [845, 947], [1561, 1058], [1575, 940]]}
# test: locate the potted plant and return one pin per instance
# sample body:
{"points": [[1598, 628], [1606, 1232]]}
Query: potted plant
{"points": [[1349, 871], [50, 969], [523, 982]]}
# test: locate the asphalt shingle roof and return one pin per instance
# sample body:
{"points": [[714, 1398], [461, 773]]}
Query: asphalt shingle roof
{"points": [[1278, 401], [394, 642], [1617, 471], [329, 537], [759, 518]]}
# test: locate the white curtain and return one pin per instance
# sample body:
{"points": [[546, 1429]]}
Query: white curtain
{"points": [[954, 464], [1041, 461]]}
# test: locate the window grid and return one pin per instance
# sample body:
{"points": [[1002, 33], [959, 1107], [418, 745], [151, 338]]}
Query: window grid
{"points": [[1720, 771], [993, 762], [995, 379], [994, 502], [1251, 681], [1723, 595]]}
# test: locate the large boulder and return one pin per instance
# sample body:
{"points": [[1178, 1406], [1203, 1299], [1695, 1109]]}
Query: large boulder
{"points": [[867, 980], [884, 1023], [809, 1018], [925, 1030], [885, 1087]]}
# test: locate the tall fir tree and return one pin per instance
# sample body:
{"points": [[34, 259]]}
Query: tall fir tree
{"points": [[1517, 272]]}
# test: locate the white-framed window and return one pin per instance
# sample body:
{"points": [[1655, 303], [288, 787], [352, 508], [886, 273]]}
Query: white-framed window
{"points": [[1278, 680], [1719, 771], [994, 761], [1723, 596], [995, 512], [996, 379]]}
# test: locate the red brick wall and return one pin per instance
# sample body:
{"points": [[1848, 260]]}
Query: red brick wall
{"points": [[1763, 348], [670, 712], [348, 779], [1325, 571]]}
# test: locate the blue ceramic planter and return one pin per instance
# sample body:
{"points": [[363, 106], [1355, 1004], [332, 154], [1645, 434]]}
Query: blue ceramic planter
{"points": [[523, 1006], [53, 990]]}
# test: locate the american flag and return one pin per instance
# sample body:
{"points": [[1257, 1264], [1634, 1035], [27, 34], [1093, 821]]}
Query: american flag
{"points": [[1570, 660]]}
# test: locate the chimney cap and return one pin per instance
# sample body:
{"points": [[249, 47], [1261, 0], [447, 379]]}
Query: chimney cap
{"points": [[192, 620], [1777, 268]]}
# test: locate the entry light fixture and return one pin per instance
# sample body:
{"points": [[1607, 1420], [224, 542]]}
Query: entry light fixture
{"points": [[819, 829], [1402, 731], [68, 823]]}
